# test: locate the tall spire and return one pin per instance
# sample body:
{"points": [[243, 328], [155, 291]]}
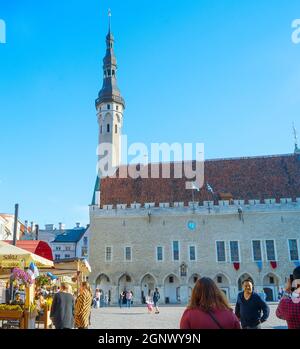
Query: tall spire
{"points": [[297, 150], [110, 91]]}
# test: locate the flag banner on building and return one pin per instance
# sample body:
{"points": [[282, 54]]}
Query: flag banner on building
{"points": [[236, 265], [297, 263], [273, 264], [259, 265]]}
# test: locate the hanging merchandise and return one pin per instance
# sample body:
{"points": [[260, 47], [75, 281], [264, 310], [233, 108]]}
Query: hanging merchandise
{"points": [[51, 276]]}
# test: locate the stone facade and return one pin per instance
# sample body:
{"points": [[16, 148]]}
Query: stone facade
{"points": [[146, 228]]}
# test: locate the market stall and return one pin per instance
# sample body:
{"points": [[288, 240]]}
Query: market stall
{"points": [[21, 267]]}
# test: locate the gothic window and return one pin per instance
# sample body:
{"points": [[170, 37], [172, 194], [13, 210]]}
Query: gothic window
{"points": [[219, 279], [192, 253], [270, 249], [257, 253], [221, 254], [128, 256], [108, 106], [108, 254], [117, 107], [108, 128], [159, 253], [234, 251], [116, 128], [171, 279], [175, 250], [293, 248], [113, 73]]}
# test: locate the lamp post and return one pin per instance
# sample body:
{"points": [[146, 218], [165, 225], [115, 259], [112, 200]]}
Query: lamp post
{"points": [[11, 295]]}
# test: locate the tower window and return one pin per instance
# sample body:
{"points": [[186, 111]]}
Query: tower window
{"points": [[116, 128], [108, 128], [101, 129], [220, 279], [109, 73], [117, 107], [108, 106], [113, 73]]}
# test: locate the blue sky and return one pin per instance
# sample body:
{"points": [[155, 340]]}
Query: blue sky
{"points": [[222, 72]]}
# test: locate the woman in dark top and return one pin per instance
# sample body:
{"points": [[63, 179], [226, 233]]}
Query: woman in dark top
{"points": [[208, 308]]}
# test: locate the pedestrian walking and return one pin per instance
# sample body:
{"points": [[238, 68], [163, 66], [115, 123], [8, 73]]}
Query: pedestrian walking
{"points": [[83, 307], [96, 300], [150, 304], [156, 297], [129, 296], [208, 308], [62, 309], [289, 306], [250, 308], [121, 295]]}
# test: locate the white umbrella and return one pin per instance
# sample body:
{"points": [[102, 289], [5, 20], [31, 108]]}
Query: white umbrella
{"points": [[12, 257]]}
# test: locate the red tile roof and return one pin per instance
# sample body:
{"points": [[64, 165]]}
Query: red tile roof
{"points": [[241, 178]]}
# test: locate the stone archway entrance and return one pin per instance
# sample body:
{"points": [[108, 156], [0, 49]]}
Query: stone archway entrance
{"points": [[270, 287], [172, 289], [223, 283], [192, 280], [147, 287], [103, 284], [125, 284]]}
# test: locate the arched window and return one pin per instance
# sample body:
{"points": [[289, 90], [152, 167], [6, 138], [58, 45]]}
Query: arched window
{"points": [[116, 128], [108, 128]]}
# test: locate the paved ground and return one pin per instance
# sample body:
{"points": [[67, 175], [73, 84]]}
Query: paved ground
{"points": [[168, 318]]}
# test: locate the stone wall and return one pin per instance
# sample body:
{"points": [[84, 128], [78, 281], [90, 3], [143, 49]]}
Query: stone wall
{"points": [[145, 228]]}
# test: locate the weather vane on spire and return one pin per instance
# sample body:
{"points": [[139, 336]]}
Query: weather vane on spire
{"points": [[109, 17]]}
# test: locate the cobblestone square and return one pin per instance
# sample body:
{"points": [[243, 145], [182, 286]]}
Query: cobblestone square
{"points": [[168, 318]]}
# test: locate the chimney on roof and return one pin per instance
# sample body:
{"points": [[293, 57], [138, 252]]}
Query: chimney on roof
{"points": [[31, 227], [26, 227], [77, 225], [61, 226]]}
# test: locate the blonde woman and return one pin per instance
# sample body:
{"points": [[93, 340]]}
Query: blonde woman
{"points": [[83, 306]]}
